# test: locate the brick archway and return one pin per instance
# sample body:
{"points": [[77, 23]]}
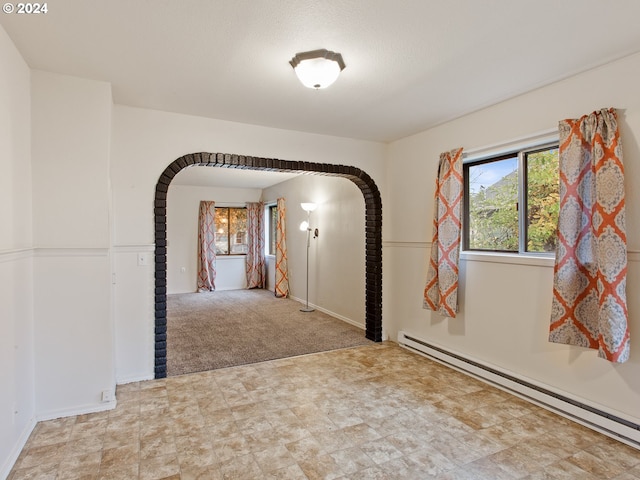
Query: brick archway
{"points": [[373, 233]]}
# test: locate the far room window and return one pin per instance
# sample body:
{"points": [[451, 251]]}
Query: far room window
{"points": [[512, 202], [231, 231], [273, 223]]}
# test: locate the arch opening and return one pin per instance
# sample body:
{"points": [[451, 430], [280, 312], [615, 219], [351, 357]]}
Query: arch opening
{"points": [[373, 233]]}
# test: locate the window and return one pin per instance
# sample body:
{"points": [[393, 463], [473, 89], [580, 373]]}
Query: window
{"points": [[273, 223], [231, 231], [512, 202]]}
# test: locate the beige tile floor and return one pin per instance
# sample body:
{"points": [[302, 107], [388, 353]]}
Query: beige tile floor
{"points": [[374, 412]]}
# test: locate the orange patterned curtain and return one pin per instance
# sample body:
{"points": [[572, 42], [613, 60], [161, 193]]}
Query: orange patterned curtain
{"points": [[255, 262], [441, 290], [206, 247], [590, 273], [282, 270]]}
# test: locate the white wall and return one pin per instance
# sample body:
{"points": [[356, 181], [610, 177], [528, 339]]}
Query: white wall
{"points": [[74, 350], [183, 203], [17, 393], [74, 331], [337, 256], [144, 143], [505, 307], [133, 304]]}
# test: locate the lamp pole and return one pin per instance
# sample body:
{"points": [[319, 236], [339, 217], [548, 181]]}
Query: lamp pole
{"points": [[306, 308], [308, 207]]}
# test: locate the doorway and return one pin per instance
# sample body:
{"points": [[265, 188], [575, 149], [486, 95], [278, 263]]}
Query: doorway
{"points": [[373, 234]]}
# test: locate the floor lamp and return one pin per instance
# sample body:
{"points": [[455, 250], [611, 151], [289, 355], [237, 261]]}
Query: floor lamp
{"points": [[306, 225]]}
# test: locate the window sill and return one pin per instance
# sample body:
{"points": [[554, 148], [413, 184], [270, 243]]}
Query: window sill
{"points": [[510, 258], [233, 256]]}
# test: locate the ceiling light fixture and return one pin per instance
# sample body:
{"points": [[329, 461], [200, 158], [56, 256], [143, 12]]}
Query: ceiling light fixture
{"points": [[318, 68]]}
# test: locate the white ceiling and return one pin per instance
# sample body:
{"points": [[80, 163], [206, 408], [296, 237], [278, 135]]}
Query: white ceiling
{"points": [[201, 176], [411, 64]]}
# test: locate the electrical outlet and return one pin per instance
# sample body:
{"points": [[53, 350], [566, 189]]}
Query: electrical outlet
{"points": [[106, 396]]}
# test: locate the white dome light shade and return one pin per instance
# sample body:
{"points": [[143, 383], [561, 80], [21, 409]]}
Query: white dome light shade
{"points": [[318, 68], [317, 72], [308, 207]]}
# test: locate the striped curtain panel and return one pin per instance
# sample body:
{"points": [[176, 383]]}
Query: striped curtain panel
{"points": [[590, 273], [206, 247], [282, 270], [254, 261], [441, 290]]}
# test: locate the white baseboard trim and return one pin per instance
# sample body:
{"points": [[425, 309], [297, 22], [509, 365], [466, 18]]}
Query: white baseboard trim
{"points": [[80, 410], [330, 313], [15, 452], [580, 410], [135, 378]]}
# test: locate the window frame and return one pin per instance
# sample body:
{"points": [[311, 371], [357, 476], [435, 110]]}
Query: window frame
{"points": [[524, 200], [271, 223], [229, 235], [520, 152]]}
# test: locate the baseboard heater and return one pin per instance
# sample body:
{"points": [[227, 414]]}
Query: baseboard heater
{"points": [[595, 418]]}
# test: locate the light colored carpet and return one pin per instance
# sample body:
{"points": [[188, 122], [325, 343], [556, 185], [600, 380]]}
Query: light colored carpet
{"points": [[207, 331]]}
